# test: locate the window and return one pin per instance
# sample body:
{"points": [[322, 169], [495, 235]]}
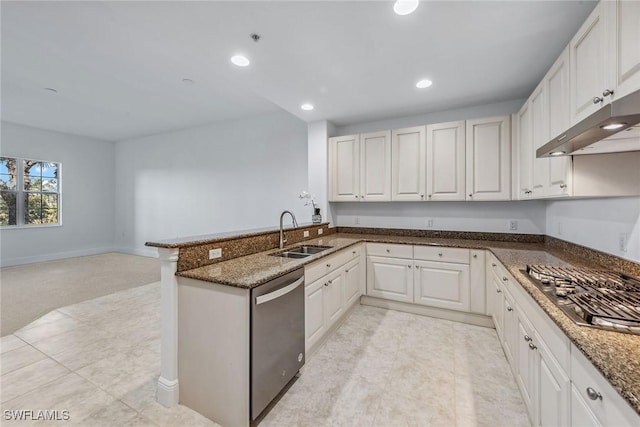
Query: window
{"points": [[29, 192]]}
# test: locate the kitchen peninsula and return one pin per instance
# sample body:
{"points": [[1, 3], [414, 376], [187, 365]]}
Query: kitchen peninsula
{"points": [[248, 262]]}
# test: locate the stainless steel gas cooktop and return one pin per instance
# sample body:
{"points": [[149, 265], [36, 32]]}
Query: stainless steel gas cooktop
{"points": [[597, 298]]}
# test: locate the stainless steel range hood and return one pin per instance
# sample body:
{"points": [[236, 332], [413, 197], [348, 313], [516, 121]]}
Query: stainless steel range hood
{"points": [[598, 134]]}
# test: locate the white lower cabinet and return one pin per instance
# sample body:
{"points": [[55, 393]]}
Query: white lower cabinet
{"points": [[336, 284], [553, 387], [495, 302], [510, 328], [525, 364], [441, 284], [390, 278]]}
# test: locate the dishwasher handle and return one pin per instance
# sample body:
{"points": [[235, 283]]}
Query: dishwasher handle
{"points": [[279, 292]]}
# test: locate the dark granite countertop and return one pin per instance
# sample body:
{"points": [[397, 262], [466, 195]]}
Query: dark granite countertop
{"points": [[616, 355]]}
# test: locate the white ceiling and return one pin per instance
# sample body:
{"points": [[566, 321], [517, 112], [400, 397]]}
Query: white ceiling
{"points": [[118, 66]]}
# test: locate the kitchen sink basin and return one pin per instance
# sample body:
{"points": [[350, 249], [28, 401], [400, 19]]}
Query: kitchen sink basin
{"points": [[302, 251]]}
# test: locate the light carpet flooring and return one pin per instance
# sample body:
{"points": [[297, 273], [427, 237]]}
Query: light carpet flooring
{"points": [[30, 291], [100, 361]]}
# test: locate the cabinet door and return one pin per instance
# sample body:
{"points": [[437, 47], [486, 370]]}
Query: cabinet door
{"points": [[442, 284], [445, 161], [344, 155], [408, 163], [625, 39], [477, 282], [488, 159], [559, 119], [375, 166], [525, 153], [333, 288], [314, 312], [588, 51], [497, 305], [352, 276], [553, 388], [539, 137], [526, 360], [510, 324], [390, 278]]}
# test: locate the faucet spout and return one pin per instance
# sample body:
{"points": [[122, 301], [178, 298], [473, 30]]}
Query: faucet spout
{"points": [[283, 240]]}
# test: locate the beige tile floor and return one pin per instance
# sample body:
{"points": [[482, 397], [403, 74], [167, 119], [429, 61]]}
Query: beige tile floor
{"points": [[100, 361]]}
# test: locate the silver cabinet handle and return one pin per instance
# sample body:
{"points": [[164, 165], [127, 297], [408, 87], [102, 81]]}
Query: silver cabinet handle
{"points": [[493, 264], [331, 281], [607, 92], [532, 346], [388, 250], [326, 284], [470, 195], [440, 254], [261, 299], [356, 196], [504, 279], [498, 291], [422, 196], [362, 196], [429, 195], [509, 308], [408, 266], [597, 100], [527, 338], [354, 252], [475, 255], [328, 265], [593, 395], [563, 186]]}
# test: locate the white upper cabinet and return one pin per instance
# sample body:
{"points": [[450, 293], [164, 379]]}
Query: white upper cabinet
{"points": [[525, 153], [589, 66], [408, 164], [375, 166], [446, 161], [559, 119], [344, 172], [488, 159], [624, 40], [539, 137]]}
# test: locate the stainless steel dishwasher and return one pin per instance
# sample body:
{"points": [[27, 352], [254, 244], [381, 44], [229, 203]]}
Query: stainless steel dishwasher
{"points": [[277, 337]]}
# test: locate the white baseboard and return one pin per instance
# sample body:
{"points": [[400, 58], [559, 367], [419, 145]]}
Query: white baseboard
{"points": [[8, 262], [439, 313], [147, 252]]}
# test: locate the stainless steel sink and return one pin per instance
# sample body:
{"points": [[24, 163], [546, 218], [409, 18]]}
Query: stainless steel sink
{"points": [[302, 251]]}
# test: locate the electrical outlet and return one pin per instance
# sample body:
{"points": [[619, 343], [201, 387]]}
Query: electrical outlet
{"points": [[513, 225], [430, 223], [624, 242], [320, 231], [305, 233], [215, 253]]}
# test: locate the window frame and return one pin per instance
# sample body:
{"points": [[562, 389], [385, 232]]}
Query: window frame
{"points": [[21, 193]]}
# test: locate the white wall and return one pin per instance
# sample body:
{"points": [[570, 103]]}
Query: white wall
{"points": [[598, 224], [318, 133], [87, 196], [222, 177], [500, 108], [455, 216]]}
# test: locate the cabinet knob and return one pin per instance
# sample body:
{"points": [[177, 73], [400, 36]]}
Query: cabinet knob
{"points": [[409, 266], [597, 100], [527, 338], [354, 252], [593, 395], [475, 255], [509, 308], [493, 264], [326, 284], [563, 186], [388, 250], [331, 281], [470, 195], [362, 197], [439, 253], [429, 195], [532, 346], [498, 291], [422, 196], [504, 279], [328, 265], [607, 92]]}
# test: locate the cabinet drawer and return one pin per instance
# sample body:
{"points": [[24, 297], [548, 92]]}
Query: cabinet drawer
{"points": [[326, 265], [610, 409], [389, 250], [440, 254]]}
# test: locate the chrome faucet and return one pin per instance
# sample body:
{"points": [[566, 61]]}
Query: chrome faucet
{"points": [[295, 224]]}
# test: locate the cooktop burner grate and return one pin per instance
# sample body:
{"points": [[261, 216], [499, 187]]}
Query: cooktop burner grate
{"points": [[587, 278], [608, 304]]}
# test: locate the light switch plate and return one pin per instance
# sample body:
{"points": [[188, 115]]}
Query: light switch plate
{"points": [[319, 231], [215, 253], [305, 233]]}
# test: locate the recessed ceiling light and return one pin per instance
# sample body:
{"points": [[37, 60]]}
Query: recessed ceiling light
{"points": [[405, 7], [307, 107], [188, 81], [558, 153], [613, 126], [240, 60], [424, 84], [50, 89]]}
